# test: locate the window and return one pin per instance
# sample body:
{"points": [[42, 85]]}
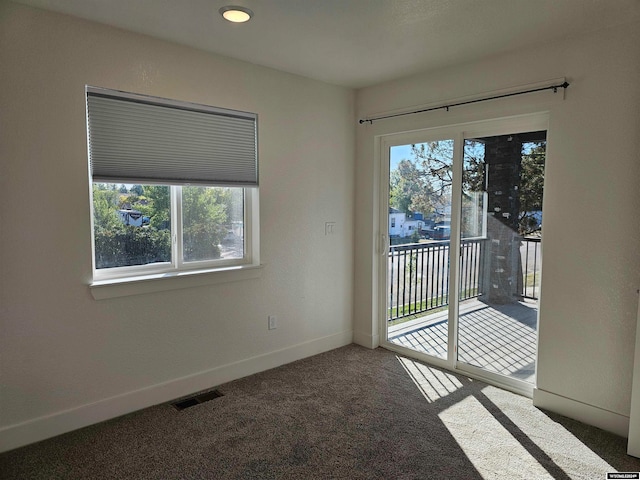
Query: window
{"points": [[174, 186]]}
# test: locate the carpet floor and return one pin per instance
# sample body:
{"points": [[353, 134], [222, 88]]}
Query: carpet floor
{"points": [[351, 413]]}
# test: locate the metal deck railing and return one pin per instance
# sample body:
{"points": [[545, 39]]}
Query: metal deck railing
{"points": [[419, 274]]}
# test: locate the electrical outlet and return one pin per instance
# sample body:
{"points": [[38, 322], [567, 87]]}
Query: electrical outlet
{"points": [[273, 322]]}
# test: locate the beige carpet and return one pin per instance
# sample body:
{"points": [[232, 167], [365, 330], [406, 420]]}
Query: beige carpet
{"points": [[351, 413]]}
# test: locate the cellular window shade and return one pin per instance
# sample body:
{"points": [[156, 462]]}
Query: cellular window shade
{"points": [[135, 140]]}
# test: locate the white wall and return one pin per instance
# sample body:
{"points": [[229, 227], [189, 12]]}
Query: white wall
{"points": [[633, 447], [69, 360], [591, 268]]}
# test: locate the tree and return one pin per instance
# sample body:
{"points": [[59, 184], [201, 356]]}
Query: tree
{"points": [[531, 187], [435, 160], [117, 244], [423, 182], [408, 191], [105, 202], [473, 172], [138, 190], [205, 213], [158, 206]]}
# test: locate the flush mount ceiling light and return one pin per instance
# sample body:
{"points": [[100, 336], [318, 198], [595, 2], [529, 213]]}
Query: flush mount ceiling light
{"points": [[236, 14]]}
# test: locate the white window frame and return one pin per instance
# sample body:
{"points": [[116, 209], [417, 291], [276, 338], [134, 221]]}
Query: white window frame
{"points": [[177, 264], [137, 279]]}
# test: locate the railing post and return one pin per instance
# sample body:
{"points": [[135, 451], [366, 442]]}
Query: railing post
{"points": [[419, 279], [531, 248]]}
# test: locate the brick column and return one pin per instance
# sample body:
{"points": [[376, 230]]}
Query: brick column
{"points": [[503, 155]]}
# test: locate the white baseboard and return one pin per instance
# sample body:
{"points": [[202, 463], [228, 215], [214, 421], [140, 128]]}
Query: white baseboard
{"points": [[366, 340], [596, 416], [30, 431]]}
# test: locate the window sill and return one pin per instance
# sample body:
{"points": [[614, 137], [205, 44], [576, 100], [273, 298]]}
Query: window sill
{"points": [[124, 287]]}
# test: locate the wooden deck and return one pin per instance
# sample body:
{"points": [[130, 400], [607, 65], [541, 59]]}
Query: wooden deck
{"points": [[497, 338]]}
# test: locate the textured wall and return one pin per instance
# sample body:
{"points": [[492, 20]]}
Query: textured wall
{"points": [[591, 266], [62, 349]]}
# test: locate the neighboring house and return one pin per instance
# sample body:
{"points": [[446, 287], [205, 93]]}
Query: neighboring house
{"points": [[133, 218], [402, 225], [413, 223], [396, 222]]}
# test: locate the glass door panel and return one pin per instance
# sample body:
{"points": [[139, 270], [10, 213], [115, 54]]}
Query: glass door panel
{"points": [[419, 230], [500, 235]]}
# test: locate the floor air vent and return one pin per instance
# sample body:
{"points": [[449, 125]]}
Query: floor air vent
{"points": [[196, 399]]}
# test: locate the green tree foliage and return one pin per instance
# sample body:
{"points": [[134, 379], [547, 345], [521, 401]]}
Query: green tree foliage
{"points": [[105, 201], [156, 206], [473, 173], [117, 244], [423, 182], [205, 214], [205, 219], [130, 245], [128, 200], [408, 190], [531, 187], [473, 186], [435, 160]]}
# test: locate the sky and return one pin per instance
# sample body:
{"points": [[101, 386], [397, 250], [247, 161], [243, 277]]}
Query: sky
{"points": [[401, 152]]}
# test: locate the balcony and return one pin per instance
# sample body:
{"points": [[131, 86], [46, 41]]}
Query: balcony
{"points": [[496, 332]]}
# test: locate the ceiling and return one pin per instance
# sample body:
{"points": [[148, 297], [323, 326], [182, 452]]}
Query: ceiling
{"points": [[356, 43]]}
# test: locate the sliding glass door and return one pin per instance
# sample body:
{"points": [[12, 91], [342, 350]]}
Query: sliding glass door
{"points": [[500, 238], [419, 230], [462, 222]]}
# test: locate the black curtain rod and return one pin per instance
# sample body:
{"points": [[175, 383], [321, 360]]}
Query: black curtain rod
{"points": [[447, 107]]}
